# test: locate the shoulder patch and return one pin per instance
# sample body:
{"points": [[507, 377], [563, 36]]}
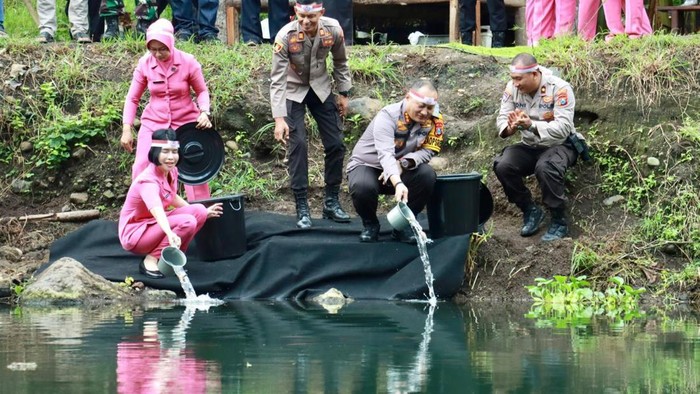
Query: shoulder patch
{"points": [[278, 47], [562, 97]]}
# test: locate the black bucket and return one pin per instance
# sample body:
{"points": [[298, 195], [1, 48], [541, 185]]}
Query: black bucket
{"points": [[453, 208], [224, 236]]}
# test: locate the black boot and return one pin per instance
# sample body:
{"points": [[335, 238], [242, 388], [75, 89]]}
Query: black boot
{"points": [[557, 227], [498, 39], [467, 38], [370, 232], [303, 215], [112, 32], [331, 206], [532, 218], [142, 26]]}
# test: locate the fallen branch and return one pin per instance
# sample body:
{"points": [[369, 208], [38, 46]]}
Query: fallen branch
{"points": [[71, 216], [32, 11]]}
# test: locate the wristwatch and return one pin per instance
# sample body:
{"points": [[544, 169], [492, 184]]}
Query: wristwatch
{"points": [[404, 163]]}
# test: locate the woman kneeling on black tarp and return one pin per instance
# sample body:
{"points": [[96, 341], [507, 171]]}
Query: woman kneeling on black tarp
{"points": [[145, 227]]}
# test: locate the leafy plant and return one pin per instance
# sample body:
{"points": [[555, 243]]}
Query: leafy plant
{"points": [[565, 299]]}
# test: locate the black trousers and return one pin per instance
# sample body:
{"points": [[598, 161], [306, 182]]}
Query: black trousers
{"points": [[341, 10], [278, 16], [467, 15], [329, 127], [365, 188], [549, 166]]}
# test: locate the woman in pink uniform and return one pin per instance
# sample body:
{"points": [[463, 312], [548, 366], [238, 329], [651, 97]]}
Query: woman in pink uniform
{"points": [[169, 75], [548, 18], [636, 19], [145, 227]]}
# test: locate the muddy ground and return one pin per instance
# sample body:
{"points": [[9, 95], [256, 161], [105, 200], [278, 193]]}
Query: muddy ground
{"points": [[470, 90]]}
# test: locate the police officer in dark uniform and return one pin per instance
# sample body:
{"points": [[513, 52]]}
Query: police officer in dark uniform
{"points": [[497, 21], [278, 16], [540, 107], [300, 80]]}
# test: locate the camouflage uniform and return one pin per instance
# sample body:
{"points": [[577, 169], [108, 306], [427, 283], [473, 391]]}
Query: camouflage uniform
{"points": [[146, 9], [111, 8]]}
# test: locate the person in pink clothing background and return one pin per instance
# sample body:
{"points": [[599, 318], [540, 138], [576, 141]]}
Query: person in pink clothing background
{"points": [[636, 19], [548, 18], [169, 74], [145, 227]]}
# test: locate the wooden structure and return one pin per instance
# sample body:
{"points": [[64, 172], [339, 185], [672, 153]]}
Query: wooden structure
{"points": [[233, 8], [676, 13]]}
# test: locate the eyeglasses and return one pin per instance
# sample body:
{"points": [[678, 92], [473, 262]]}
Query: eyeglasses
{"points": [[159, 50]]}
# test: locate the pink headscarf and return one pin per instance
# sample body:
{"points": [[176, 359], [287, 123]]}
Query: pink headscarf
{"points": [[162, 31]]}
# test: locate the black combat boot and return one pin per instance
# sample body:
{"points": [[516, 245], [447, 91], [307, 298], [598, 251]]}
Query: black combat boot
{"points": [[112, 32], [142, 26], [498, 39], [331, 206], [370, 232], [303, 215], [532, 218], [557, 227]]}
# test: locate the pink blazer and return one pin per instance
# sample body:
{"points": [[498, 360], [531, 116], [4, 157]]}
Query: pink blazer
{"points": [[150, 189], [171, 104]]}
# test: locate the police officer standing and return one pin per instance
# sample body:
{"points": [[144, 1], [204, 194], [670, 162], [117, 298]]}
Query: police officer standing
{"points": [[299, 79], [540, 106]]}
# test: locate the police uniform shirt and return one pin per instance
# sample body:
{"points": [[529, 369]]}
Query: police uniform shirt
{"points": [[551, 110], [299, 64], [393, 135]]}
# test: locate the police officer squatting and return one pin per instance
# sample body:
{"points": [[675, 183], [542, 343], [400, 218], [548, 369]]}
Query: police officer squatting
{"points": [[540, 107]]}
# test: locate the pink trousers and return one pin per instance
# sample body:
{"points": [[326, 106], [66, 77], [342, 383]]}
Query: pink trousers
{"points": [[636, 19], [145, 136], [184, 221], [548, 18], [588, 18]]}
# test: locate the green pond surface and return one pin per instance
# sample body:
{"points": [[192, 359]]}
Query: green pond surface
{"points": [[365, 347]]}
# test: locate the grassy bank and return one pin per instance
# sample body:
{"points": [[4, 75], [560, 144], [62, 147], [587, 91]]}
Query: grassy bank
{"points": [[64, 97]]}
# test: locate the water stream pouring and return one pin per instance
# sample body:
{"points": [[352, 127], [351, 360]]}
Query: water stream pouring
{"points": [[400, 217]]}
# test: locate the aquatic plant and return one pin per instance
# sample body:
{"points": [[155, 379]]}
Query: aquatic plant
{"points": [[569, 300]]}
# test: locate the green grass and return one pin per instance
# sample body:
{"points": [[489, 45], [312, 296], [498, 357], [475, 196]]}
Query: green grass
{"points": [[20, 24]]}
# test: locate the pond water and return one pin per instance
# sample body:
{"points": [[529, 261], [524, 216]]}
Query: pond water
{"points": [[365, 347]]}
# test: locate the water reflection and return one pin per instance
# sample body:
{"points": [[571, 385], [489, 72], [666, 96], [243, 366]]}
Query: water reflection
{"points": [[367, 347], [150, 363]]}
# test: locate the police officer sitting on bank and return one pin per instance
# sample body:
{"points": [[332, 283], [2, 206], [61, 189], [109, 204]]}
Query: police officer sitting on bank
{"points": [[392, 157], [300, 80], [539, 106]]}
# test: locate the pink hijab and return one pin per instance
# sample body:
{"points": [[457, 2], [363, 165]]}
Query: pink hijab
{"points": [[162, 31]]}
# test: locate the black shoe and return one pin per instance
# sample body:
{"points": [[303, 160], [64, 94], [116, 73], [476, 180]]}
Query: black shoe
{"points": [[151, 274], [557, 230], [44, 38], [184, 35], [532, 218], [335, 213], [210, 38], [370, 233], [405, 236], [142, 26], [112, 32], [304, 222], [331, 206], [498, 40]]}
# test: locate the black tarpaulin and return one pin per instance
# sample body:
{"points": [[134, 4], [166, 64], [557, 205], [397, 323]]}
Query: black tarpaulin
{"points": [[283, 262]]}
